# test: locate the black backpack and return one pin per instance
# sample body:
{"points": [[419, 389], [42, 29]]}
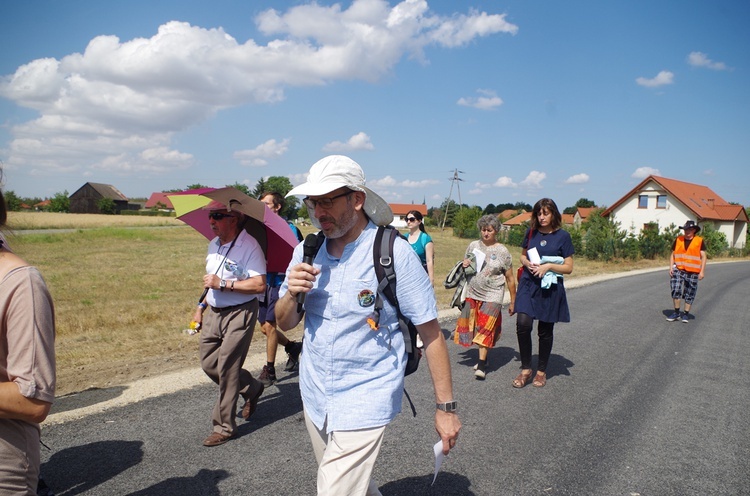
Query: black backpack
{"points": [[386, 275], [382, 255]]}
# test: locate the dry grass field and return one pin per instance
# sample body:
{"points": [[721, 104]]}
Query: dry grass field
{"points": [[125, 288]]}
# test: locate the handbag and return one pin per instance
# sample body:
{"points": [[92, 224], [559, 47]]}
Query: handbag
{"points": [[519, 273]]}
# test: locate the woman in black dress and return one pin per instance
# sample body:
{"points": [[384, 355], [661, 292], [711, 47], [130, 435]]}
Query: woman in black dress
{"points": [[541, 293]]}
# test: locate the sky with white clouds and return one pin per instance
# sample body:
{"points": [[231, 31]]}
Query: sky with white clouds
{"points": [[569, 100]]}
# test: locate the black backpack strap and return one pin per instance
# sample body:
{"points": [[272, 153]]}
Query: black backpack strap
{"points": [[382, 258]]}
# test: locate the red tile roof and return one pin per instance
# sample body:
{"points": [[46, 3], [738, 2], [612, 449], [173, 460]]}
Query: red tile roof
{"points": [[404, 208], [159, 198], [518, 219], [700, 200], [584, 212]]}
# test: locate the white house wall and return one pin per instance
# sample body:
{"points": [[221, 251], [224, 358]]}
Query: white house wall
{"points": [[632, 219]]}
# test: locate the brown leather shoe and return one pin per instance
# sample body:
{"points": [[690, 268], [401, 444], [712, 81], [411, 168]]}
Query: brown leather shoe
{"points": [[251, 404], [216, 439]]}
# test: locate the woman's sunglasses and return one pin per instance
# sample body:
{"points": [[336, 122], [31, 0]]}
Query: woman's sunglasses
{"points": [[411, 219]]}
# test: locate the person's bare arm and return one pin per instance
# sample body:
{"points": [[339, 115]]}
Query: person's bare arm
{"points": [[14, 405], [447, 424]]}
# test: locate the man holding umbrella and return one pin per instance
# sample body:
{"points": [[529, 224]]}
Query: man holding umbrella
{"points": [[235, 276]]}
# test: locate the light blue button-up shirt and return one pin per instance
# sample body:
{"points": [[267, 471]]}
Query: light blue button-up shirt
{"points": [[349, 374]]}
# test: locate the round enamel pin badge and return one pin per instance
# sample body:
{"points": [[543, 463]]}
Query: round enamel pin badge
{"points": [[366, 298]]}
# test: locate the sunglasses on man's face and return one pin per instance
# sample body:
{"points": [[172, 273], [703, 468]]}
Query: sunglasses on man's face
{"points": [[218, 216], [411, 219]]}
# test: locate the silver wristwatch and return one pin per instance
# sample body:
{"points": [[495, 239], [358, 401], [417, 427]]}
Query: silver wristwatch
{"points": [[448, 406]]}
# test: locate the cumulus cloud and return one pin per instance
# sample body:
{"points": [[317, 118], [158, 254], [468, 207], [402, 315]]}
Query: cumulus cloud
{"points": [[700, 59], [488, 100], [644, 172], [359, 141], [106, 106], [505, 182], [534, 180], [419, 184], [661, 79], [577, 179], [259, 156], [384, 182]]}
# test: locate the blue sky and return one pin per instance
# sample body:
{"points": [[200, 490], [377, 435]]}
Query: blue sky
{"points": [[579, 99]]}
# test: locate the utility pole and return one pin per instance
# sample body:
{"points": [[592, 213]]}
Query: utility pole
{"points": [[457, 181]]}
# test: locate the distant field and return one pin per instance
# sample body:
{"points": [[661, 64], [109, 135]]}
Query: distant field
{"points": [[53, 220], [124, 291]]}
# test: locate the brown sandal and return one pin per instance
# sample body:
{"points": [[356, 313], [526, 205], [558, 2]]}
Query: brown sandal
{"points": [[522, 379], [540, 380]]}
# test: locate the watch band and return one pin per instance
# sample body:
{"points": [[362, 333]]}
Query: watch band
{"points": [[448, 406], [222, 285]]}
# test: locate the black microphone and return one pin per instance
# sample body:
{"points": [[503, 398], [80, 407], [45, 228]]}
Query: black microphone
{"points": [[309, 250]]}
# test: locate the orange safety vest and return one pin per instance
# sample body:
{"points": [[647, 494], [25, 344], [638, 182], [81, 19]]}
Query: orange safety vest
{"points": [[688, 260]]}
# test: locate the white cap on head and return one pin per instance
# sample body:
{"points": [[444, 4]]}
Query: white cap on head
{"points": [[337, 171]]}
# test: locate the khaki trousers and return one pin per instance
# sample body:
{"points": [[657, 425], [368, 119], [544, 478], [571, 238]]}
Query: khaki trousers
{"points": [[225, 339], [345, 460]]}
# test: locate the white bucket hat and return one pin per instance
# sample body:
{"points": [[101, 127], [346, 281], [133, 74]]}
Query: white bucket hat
{"points": [[337, 171]]}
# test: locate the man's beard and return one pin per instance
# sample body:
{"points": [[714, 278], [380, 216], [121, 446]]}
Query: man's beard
{"points": [[346, 221]]}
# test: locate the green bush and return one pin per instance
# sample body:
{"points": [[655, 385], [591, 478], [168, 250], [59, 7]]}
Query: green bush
{"points": [[465, 222], [651, 244], [603, 239], [716, 242]]}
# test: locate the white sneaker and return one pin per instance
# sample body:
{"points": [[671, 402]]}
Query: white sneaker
{"points": [[480, 375]]}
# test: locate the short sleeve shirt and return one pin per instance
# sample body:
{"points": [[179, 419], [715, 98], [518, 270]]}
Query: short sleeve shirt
{"points": [[420, 247], [489, 282], [244, 260], [27, 334], [351, 376]]}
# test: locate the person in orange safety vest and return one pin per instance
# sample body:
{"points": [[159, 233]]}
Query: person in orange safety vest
{"points": [[687, 266]]}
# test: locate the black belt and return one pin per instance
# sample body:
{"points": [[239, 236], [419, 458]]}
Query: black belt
{"points": [[233, 307]]}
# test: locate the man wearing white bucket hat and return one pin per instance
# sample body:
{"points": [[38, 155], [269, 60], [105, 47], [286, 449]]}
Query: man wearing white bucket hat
{"points": [[351, 377]]}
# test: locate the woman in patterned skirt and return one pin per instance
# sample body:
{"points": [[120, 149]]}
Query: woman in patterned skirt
{"points": [[480, 320]]}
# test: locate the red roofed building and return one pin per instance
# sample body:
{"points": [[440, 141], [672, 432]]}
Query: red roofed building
{"points": [[401, 209], [517, 220], [159, 200], [668, 201], [582, 213]]}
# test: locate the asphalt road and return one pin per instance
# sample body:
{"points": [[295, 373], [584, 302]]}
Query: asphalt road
{"points": [[634, 405]]}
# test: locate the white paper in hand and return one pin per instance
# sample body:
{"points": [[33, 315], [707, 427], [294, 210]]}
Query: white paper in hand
{"points": [[533, 255], [439, 456], [480, 259]]}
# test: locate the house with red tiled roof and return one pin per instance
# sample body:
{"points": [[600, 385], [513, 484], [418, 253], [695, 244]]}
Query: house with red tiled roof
{"points": [[401, 209], [159, 200], [668, 201], [517, 220], [582, 214], [507, 214], [39, 206]]}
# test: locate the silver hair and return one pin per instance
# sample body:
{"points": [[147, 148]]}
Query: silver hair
{"points": [[489, 221]]}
